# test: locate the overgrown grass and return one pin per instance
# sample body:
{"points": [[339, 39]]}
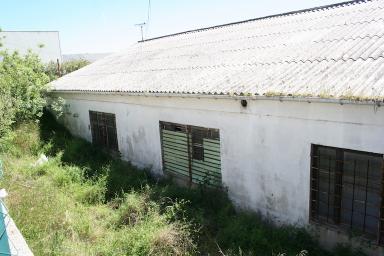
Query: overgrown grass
{"points": [[85, 202]]}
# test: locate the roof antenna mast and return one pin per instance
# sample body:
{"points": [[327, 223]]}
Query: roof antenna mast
{"points": [[141, 25], [141, 28]]}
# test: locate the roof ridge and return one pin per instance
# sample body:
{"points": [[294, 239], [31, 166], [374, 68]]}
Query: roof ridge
{"points": [[323, 7]]}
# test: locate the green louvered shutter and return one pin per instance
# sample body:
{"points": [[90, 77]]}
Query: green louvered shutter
{"points": [[175, 149], [191, 152], [206, 164]]}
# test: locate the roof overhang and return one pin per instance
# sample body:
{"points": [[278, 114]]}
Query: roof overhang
{"points": [[342, 101]]}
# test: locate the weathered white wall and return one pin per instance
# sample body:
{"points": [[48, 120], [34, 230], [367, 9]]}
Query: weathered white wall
{"points": [[265, 148], [22, 41]]}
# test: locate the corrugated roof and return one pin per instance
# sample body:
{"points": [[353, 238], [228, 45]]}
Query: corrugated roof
{"points": [[328, 52]]}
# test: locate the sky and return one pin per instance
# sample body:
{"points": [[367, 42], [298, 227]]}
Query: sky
{"points": [[96, 26]]}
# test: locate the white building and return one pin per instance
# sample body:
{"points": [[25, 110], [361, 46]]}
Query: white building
{"points": [[284, 111], [46, 44]]}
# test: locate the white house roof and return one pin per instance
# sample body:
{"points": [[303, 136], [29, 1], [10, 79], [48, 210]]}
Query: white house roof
{"points": [[334, 51]]}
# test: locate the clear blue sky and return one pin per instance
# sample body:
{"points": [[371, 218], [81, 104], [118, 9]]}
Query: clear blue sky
{"points": [[107, 26]]}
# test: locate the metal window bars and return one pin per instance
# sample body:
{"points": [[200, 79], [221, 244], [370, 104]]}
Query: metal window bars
{"points": [[347, 190], [103, 129], [197, 144]]}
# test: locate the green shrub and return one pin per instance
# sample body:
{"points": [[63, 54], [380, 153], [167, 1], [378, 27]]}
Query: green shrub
{"points": [[61, 205], [134, 208], [54, 72], [23, 84], [24, 78], [90, 192], [73, 65]]}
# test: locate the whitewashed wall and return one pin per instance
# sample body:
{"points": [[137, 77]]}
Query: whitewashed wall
{"points": [[265, 148], [22, 41]]}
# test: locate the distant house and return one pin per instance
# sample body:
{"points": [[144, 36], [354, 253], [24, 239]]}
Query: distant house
{"points": [[46, 44], [284, 111]]}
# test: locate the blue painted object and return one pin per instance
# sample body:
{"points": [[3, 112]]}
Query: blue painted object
{"points": [[4, 240]]}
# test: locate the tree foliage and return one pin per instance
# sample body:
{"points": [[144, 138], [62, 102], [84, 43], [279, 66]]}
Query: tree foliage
{"points": [[73, 65], [54, 72], [23, 84]]}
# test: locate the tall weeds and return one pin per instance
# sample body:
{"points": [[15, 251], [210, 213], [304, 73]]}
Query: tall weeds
{"points": [[84, 202]]}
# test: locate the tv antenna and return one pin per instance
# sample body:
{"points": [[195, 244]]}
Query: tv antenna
{"points": [[141, 25]]}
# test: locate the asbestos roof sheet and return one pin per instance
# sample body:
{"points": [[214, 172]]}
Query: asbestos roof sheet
{"points": [[328, 52]]}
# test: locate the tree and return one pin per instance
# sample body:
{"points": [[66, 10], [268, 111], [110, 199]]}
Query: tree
{"points": [[23, 84], [1, 44], [67, 67], [23, 87]]}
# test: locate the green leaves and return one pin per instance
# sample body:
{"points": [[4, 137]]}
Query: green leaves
{"points": [[23, 85], [67, 67]]}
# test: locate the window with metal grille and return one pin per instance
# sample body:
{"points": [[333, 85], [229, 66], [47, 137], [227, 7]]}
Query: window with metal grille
{"points": [[197, 144], [198, 136], [347, 189], [103, 129]]}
